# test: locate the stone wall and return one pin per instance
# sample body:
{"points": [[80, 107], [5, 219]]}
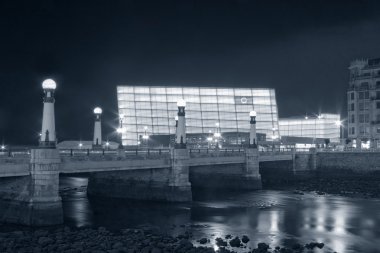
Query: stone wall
{"points": [[277, 172], [345, 163], [10, 167]]}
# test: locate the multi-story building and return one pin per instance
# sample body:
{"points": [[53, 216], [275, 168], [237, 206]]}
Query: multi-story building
{"points": [[322, 126], [151, 110], [363, 97]]}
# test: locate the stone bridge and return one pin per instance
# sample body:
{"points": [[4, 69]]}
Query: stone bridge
{"points": [[30, 178], [84, 161]]}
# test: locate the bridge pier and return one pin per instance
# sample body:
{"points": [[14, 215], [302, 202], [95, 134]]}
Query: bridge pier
{"points": [[179, 183], [34, 200], [169, 183], [252, 174]]}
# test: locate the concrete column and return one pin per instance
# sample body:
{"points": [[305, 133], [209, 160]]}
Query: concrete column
{"points": [[48, 137], [313, 158], [179, 184], [97, 142], [180, 141], [39, 204]]}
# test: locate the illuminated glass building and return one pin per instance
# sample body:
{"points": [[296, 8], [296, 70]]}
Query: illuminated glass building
{"points": [[324, 126], [151, 110]]}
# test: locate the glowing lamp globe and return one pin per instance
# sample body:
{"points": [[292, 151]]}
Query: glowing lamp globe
{"points": [[181, 103], [176, 118], [252, 113], [49, 84], [98, 110]]}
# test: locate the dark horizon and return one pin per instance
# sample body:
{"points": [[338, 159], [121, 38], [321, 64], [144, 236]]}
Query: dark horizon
{"points": [[301, 49]]}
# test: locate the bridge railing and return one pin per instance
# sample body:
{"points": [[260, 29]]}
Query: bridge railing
{"points": [[275, 151], [104, 152], [348, 150], [202, 152], [17, 152]]}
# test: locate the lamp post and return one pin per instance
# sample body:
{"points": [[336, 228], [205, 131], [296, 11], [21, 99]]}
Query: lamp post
{"points": [[252, 132], [339, 124], [180, 142], [97, 142], [120, 130], [273, 137], [217, 135], [209, 139], [48, 138], [146, 136]]}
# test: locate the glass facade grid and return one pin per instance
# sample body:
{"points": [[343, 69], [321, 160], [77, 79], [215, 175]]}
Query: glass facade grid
{"points": [[155, 107], [325, 127]]}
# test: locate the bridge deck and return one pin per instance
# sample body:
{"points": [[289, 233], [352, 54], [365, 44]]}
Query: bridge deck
{"points": [[82, 161]]}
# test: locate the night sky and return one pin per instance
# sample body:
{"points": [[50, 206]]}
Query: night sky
{"points": [[300, 48]]}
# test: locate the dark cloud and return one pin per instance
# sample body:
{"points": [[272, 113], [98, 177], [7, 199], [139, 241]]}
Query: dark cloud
{"points": [[300, 48]]}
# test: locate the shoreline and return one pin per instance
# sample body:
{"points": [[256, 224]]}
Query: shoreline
{"points": [[146, 240], [359, 187]]}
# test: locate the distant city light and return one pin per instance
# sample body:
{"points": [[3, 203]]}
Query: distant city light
{"points": [[209, 138], [145, 137], [107, 143], [2, 147], [217, 124], [120, 130], [338, 123], [49, 84], [80, 144], [306, 117], [217, 135]]}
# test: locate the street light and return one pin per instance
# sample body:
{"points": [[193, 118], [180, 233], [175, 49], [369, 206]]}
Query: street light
{"points": [[146, 136], [339, 124], [97, 141], [121, 130], [49, 84], [48, 137]]}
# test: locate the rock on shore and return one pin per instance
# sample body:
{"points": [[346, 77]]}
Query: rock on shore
{"points": [[101, 240]]}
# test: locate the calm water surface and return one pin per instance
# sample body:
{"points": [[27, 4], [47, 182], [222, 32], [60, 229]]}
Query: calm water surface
{"points": [[276, 217]]}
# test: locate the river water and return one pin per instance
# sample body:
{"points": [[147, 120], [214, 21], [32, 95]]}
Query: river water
{"points": [[275, 217]]}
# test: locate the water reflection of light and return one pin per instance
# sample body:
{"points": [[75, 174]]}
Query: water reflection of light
{"points": [[339, 226], [274, 221], [81, 215], [320, 223], [338, 244]]}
